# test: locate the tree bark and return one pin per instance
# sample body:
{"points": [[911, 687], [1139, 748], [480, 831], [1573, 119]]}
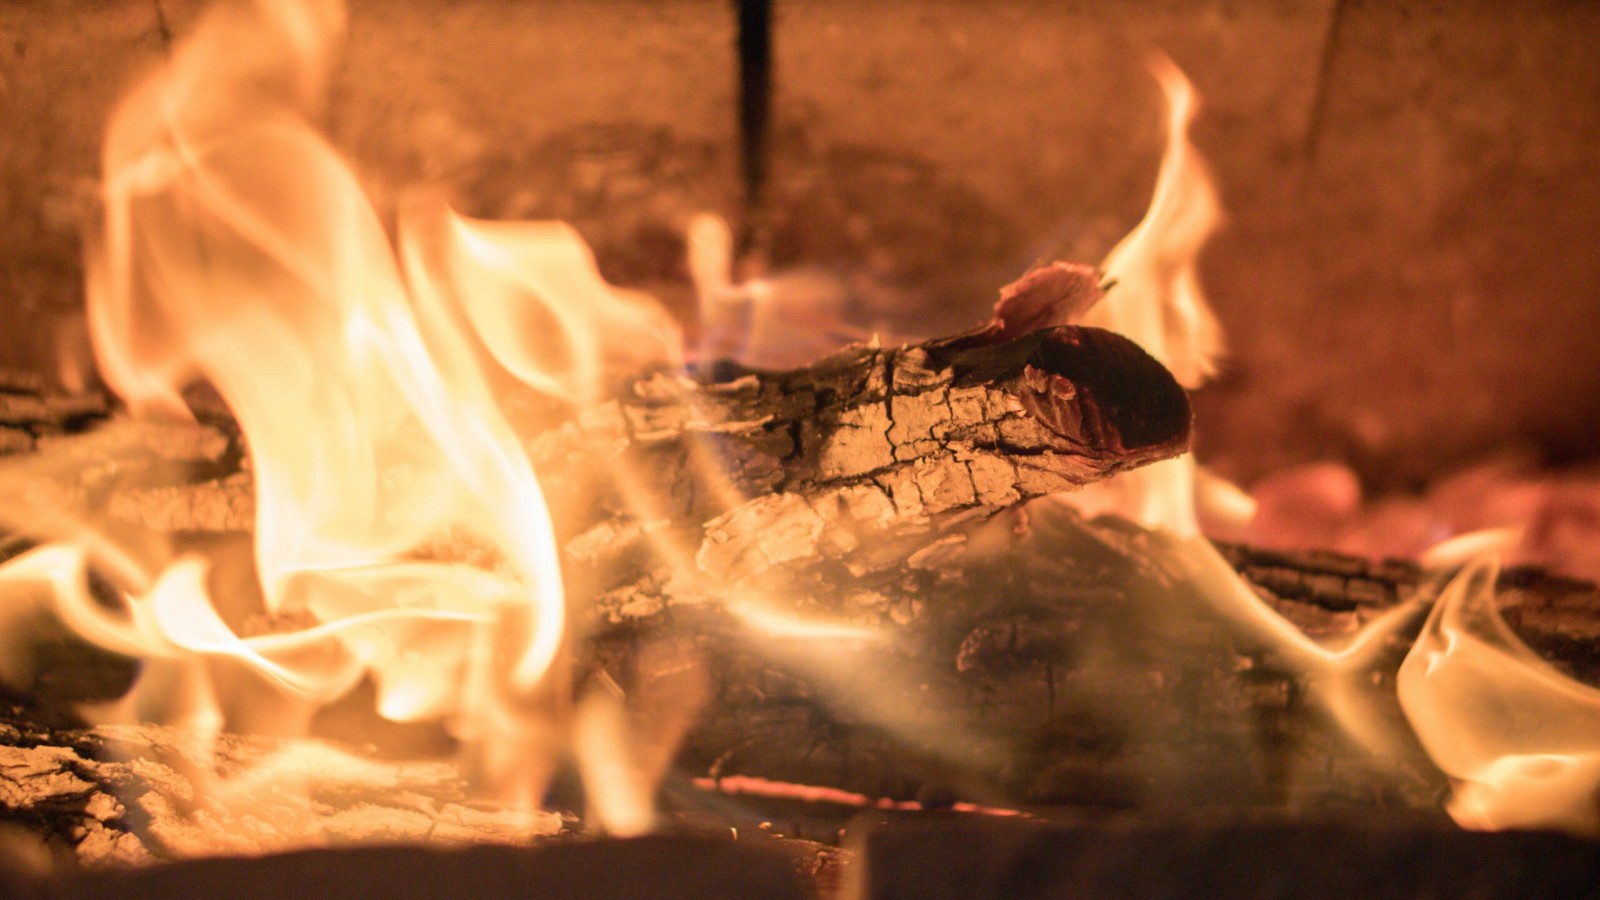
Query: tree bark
{"points": [[1041, 659], [866, 448], [136, 794]]}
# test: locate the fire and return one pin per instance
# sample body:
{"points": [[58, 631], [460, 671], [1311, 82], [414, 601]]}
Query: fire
{"points": [[1519, 740], [1155, 299], [402, 537], [400, 534], [239, 249]]}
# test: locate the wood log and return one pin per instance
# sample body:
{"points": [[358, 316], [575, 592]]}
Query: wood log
{"points": [[1033, 659], [844, 458], [818, 537], [1043, 659], [136, 794], [866, 446]]}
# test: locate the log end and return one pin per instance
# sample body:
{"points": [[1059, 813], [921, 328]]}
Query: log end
{"points": [[1091, 387], [1126, 401]]}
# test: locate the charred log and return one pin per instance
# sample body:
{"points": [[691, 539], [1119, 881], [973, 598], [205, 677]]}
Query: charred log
{"points": [[136, 794], [1031, 660], [1041, 659], [869, 446]]}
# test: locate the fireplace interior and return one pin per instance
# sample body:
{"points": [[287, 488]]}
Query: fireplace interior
{"points": [[1051, 703]]}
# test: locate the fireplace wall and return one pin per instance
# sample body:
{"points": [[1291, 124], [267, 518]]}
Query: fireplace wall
{"points": [[1408, 274]]}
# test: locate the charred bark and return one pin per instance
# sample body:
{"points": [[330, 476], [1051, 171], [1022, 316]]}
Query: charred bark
{"points": [[852, 456], [1042, 659], [136, 794]]}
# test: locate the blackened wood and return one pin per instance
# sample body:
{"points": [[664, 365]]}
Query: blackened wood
{"points": [[1330, 593], [868, 445], [137, 794], [1042, 659]]}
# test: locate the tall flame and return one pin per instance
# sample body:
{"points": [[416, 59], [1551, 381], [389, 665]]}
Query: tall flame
{"points": [[531, 293], [1156, 301], [238, 250]]}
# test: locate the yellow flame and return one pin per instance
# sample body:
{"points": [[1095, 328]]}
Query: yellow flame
{"points": [[237, 249], [1157, 303], [1339, 675], [1520, 740], [240, 249], [532, 294]]}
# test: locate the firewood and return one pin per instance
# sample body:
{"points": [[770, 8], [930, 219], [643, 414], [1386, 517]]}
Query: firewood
{"points": [[751, 469], [841, 544], [136, 794], [1032, 659], [866, 446], [1042, 659]]}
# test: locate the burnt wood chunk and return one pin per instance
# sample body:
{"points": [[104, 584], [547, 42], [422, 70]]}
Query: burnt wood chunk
{"points": [[867, 445], [1038, 658]]}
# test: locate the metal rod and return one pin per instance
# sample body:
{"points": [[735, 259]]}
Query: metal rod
{"points": [[755, 113]]}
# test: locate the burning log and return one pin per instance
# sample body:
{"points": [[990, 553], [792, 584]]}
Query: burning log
{"points": [[849, 458], [135, 794], [819, 537], [1042, 659]]}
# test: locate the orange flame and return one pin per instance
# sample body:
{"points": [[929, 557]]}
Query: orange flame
{"points": [[1520, 741], [531, 293], [238, 249], [1157, 303]]}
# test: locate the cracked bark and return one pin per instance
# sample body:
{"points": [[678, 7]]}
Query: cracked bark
{"points": [[866, 449], [136, 794], [1037, 658]]}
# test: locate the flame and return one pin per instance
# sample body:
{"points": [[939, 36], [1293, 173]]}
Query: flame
{"points": [[1156, 302], [237, 249], [532, 294], [1338, 677], [1520, 740]]}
